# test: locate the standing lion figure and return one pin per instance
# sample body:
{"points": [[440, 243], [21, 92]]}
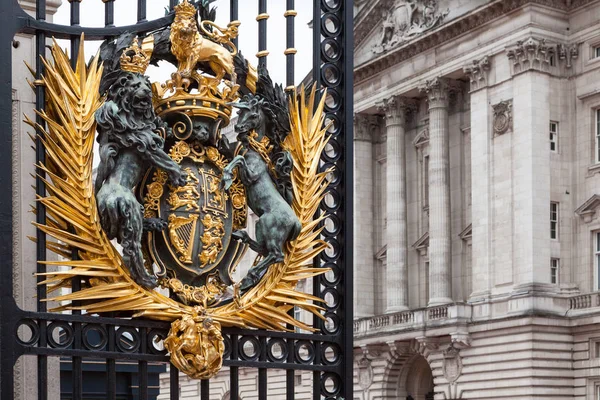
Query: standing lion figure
{"points": [[190, 47], [129, 145]]}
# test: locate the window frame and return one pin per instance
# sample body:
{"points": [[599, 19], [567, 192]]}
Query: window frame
{"points": [[597, 136], [555, 271], [554, 136], [554, 223], [596, 259]]}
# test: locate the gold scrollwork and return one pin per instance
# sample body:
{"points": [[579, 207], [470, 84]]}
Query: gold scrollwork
{"points": [[154, 192], [239, 203], [182, 232], [180, 150], [187, 195]]}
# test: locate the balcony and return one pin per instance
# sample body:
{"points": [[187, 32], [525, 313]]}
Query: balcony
{"points": [[411, 320]]}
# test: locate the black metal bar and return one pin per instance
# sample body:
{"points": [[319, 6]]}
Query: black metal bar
{"points": [[42, 361], [173, 383], [346, 310], [109, 13], [111, 368], [172, 4], [289, 374], [290, 51], [205, 389], [234, 386], [141, 11], [29, 25], [316, 27], [262, 33], [234, 16], [7, 304], [143, 366], [262, 372]]}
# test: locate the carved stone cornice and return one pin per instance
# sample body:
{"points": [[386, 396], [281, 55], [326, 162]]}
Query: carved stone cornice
{"points": [[530, 54], [396, 109], [478, 72], [366, 127], [441, 35], [437, 91]]}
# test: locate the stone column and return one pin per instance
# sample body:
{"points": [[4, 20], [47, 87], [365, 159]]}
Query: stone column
{"points": [[395, 109], [440, 240], [364, 249]]}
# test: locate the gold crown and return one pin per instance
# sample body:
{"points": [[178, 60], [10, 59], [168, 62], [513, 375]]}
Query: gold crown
{"points": [[140, 59], [209, 100], [185, 9]]}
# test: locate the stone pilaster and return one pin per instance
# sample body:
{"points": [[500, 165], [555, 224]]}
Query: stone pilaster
{"points": [[440, 241], [364, 281], [395, 109]]}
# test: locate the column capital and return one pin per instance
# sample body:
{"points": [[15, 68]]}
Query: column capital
{"points": [[438, 91], [395, 109], [478, 72], [363, 127]]}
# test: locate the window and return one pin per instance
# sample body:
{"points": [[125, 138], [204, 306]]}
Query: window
{"points": [[596, 52], [553, 136], [297, 316], [597, 259], [554, 270], [597, 135], [596, 349], [553, 220]]}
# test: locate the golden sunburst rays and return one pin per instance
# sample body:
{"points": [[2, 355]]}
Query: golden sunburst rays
{"points": [[267, 305], [73, 223]]}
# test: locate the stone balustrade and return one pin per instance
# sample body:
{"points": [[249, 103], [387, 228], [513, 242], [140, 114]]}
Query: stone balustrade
{"points": [[413, 319], [583, 301]]}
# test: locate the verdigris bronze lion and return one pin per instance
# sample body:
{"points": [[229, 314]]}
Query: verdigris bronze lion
{"points": [[129, 145]]}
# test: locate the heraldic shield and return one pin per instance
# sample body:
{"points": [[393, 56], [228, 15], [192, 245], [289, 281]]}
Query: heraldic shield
{"points": [[196, 249]]}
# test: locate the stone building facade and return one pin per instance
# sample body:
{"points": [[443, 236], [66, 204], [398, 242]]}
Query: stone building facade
{"points": [[477, 195], [477, 146]]}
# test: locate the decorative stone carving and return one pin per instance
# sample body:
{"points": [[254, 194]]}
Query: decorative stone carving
{"points": [[567, 53], [452, 364], [502, 117], [406, 20], [366, 127], [426, 345], [460, 340], [396, 109], [365, 373], [531, 54], [478, 72]]}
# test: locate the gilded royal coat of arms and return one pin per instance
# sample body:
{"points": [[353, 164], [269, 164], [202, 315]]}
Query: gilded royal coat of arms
{"points": [[174, 193]]}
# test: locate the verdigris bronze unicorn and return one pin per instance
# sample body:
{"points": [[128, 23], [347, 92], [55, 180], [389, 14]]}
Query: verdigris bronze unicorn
{"points": [[264, 168]]}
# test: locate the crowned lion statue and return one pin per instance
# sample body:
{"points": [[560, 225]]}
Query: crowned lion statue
{"points": [[129, 145]]}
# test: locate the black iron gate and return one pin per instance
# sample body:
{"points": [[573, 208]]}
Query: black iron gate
{"points": [[327, 354]]}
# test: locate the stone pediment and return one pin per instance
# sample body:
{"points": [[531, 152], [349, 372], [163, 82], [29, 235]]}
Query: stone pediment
{"points": [[422, 244], [422, 138], [588, 211], [384, 26], [467, 233]]}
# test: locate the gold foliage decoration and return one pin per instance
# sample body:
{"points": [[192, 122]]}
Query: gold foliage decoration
{"points": [[73, 224]]}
